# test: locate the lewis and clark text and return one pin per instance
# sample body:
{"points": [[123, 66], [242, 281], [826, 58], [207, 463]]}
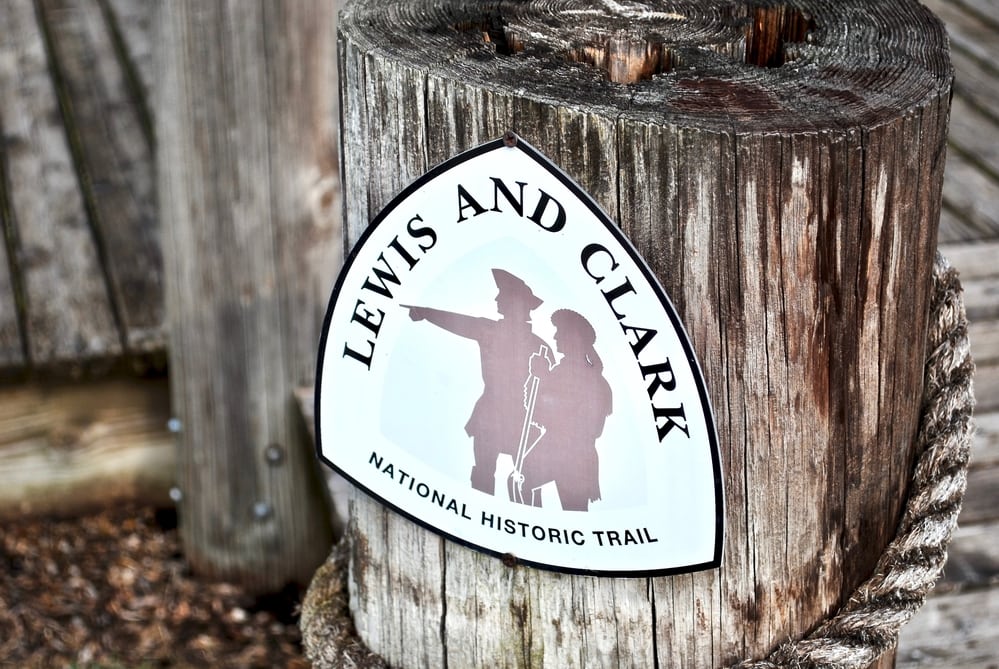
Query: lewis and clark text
{"points": [[597, 264]]}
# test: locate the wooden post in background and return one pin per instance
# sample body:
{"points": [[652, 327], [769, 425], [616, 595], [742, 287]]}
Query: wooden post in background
{"points": [[246, 126], [779, 166]]}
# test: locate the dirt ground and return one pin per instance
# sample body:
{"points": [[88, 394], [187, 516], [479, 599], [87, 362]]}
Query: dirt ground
{"points": [[111, 590]]}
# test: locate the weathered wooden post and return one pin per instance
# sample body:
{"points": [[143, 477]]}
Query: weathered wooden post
{"points": [[249, 202], [779, 167]]}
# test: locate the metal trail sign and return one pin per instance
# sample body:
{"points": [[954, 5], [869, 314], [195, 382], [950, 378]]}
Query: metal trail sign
{"points": [[499, 365]]}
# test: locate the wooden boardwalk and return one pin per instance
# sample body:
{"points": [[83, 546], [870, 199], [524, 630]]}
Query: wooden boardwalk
{"points": [[80, 267]]}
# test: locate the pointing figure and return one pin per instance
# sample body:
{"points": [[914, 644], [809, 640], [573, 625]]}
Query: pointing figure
{"points": [[505, 348]]}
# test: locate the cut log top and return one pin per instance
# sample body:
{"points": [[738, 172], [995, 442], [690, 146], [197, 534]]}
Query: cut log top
{"points": [[735, 66]]}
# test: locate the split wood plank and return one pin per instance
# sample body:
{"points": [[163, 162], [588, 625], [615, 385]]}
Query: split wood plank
{"points": [[113, 155], [12, 352], [68, 313], [71, 447]]}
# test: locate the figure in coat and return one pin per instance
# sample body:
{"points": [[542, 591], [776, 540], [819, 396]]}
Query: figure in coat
{"points": [[505, 348]]}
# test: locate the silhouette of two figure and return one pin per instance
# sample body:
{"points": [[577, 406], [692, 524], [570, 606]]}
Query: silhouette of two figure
{"points": [[570, 403]]}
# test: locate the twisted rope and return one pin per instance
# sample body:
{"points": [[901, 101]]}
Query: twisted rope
{"points": [[868, 624]]}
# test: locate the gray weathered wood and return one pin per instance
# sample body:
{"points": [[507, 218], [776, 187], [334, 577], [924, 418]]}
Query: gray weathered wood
{"points": [[974, 261], [68, 314], [968, 24], [113, 155], [972, 559], [985, 448], [971, 182], [981, 504], [132, 23], [953, 631], [987, 386], [982, 10], [790, 213], [973, 133], [971, 196], [980, 278], [246, 162], [982, 298]]}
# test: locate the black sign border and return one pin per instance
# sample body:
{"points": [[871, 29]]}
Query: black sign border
{"points": [[650, 277]]}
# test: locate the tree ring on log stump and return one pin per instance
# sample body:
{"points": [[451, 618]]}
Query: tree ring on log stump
{"points": [[809, 64]]}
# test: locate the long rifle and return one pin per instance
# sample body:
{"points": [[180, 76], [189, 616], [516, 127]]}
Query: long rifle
{"points": [[523, 450]]}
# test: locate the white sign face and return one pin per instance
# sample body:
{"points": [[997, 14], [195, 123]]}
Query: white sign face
{"points": [[499, 365]]}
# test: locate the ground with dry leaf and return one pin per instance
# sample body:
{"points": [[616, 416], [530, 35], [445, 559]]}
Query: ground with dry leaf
{"points": [[112, 591]]}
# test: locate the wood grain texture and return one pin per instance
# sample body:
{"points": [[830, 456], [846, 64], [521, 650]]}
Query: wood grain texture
{"points": [[112, 152], [68, 448], [246, 163], [68, 317], [790, 213], [132, 27]]}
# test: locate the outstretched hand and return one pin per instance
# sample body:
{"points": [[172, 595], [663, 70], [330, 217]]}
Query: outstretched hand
{"points": [[540, 364]]}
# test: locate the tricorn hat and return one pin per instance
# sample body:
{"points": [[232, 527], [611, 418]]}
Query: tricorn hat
{"points": [[507, 282]]}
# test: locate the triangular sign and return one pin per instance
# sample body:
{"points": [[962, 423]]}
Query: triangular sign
{"points": [[500, 365]]}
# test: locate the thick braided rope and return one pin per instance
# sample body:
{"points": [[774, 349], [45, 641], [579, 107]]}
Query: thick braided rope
{"points": [[868, 624]]}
